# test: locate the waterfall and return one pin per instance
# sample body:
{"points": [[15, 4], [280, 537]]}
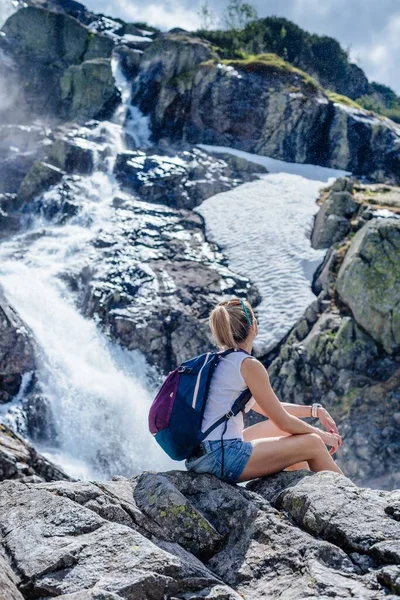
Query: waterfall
{"points": [[99, 392]]}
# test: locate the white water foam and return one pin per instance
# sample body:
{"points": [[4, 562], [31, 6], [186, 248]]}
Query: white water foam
{"points": [[262, 227], [99, 393]]}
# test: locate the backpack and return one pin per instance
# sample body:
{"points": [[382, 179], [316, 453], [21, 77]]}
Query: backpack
{"points": [[176, 413]]}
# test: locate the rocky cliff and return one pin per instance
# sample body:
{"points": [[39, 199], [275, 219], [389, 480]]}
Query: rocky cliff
{"points": [[181, 535], [345, 351], [261, 104]]}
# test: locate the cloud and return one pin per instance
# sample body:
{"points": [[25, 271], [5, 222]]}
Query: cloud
{"points": [[164, 15]]}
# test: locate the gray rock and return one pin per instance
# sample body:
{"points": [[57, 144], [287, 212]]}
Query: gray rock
{"points": [[8, 581], [88, 90], [239, 104], [61, 547], [158, 498], [17, 350], [19, 460], [71, 539], [39, 179], [72, 156], [42, 45], [369, 281], [332, 221], [156, 297], [129, 59], [181, 178]]}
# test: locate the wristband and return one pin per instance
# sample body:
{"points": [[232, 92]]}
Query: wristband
{"points": [[314, 409]]}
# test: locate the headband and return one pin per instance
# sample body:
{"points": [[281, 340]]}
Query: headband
{"points": [[246, 312]]}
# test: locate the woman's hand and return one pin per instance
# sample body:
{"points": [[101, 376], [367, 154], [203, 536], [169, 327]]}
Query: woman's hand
{"points": [[331, 439], [327, 421]]}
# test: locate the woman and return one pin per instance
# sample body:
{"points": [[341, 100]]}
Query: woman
{"points": [[283, 441]]}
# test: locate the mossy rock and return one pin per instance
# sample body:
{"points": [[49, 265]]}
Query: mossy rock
{"points": [[52, 38], [369, 281], [265, 64], [88, 90]]}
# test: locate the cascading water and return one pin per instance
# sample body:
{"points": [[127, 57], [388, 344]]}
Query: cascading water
{"points": [[98, 392]]}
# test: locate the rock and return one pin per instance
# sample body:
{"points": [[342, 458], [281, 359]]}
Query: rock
{"points": [[306, 503], [78, 540], [43, 47], [369, 281], [335, 357], [68, 548], [40, 178], [158, 498], [182, 179], [9, 222], [332, 221], [72, 156], [17, 351], [165, 78], [363, 143], [238, 103], [88, 90], [52, 38], [20, 461], [8, 581], [20, 147], [129, 60]]}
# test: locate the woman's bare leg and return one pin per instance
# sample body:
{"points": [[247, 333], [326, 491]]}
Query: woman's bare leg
{"points": [[268, 429], [271, 455]]}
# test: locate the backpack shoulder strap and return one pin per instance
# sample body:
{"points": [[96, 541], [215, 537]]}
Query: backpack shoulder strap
{"points": [[237, 406]]}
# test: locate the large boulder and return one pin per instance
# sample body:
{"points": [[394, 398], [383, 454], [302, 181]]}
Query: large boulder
{"points": [[42, 46], [51, 38], [88, 90], [72, 156], [186, 536], [332, 220], [369, 281]]}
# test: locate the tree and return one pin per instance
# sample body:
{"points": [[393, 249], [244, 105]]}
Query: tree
{"points": [[207, 17], [239, 14]]}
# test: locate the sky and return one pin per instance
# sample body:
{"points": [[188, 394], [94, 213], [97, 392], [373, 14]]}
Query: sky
{"points": [[370, 29]]}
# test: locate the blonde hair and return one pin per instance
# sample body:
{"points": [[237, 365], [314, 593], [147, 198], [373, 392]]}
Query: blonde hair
{"points": [[229, 324]]}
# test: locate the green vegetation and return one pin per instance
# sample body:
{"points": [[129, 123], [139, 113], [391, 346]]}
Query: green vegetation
{"points": [[383, 100], [268, 63], [146, 26], [334, 97], [321, 57]]}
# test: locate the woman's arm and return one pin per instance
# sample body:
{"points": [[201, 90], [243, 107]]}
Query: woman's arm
{"points": [[298, 410], [257, 379], [301, 411]]}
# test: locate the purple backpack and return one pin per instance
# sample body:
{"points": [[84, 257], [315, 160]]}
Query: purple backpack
{"points": [[176, 413]]}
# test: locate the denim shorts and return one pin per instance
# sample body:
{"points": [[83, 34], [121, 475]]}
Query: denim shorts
{"points": [[236, 455]]}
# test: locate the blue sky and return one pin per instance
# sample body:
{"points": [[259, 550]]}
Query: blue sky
{"points": [[370, 28]]}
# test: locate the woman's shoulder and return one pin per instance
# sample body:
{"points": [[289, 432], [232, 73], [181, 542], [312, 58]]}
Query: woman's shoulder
{"points": [[252, 367]]}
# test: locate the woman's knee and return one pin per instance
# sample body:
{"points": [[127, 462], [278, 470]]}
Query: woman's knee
{"points": [[313, 442]]}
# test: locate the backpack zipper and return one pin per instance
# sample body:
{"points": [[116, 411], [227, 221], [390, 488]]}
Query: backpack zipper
{"points": [[196, 389]]}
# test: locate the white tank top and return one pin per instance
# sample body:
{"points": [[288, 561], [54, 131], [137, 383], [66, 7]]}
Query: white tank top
{"points": [[226, 385]]}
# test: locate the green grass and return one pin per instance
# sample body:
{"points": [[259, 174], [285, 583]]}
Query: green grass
{"points": [[264, 64], [334, 97]]}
